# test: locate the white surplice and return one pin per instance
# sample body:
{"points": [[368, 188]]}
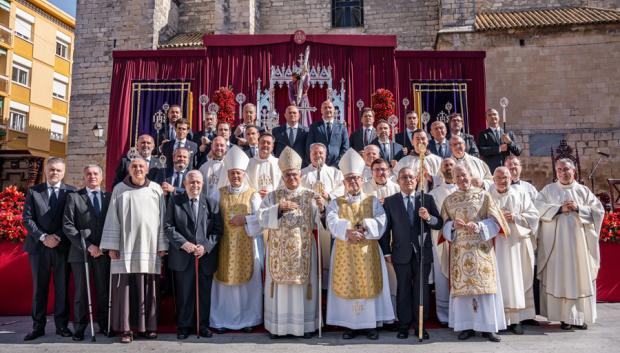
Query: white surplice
{"points": [[289, 311], [431, 162], [568, 253], [440, 257], [484, 312], [515, 255], [478, 168], [264, 174], [527, 188], [214, 176], [359, 313]]}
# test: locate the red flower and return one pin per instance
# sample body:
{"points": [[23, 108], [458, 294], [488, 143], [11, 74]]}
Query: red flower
{"points": [[11, 220], [225, 99], [610, 231], [382, 103]]}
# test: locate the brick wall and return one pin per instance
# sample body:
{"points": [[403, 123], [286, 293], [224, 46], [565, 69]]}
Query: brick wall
{"points": [[563, 81]]}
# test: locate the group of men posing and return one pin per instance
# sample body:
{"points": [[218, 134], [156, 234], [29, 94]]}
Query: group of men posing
{"points": [[246, 220]]}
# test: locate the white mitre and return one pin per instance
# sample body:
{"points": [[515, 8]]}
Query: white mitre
{"points": [[351, 163], [289, 159], [235, 158]]}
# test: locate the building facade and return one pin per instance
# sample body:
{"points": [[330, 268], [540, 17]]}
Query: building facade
{"points": [[36, 45], [560, 71]]}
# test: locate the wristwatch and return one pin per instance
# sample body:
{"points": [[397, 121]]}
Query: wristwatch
{"points": [[42, 237]]}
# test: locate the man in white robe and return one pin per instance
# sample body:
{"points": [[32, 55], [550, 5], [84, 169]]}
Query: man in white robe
{"points": [[370, 154], [513, 163], [472, 220], [290, 213], [359, 292], [515, 254], [440, 250], [431, 161], [568, 253], [212, 171], [480, 172], [236, 296], [263, 173]]}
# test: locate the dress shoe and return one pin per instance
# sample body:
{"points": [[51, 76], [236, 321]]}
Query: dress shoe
{"points": [[308, 335], [219, 331], [402, 334], [517, 329], [425, 334], [466, 334], [565, 326], [182, 334], [34, 335], [530, 322], [205, 332], [64, 332], [581, 327], [78, 336], [372, 334], [248, 329], [491, 336], [349, 334], [273, 336]]}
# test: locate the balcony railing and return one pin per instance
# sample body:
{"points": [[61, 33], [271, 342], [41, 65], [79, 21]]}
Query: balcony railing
{"points": [[6, 36], [57, 137], [4, 84]]}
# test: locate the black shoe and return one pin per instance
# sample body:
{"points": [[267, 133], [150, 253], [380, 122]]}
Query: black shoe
{"points": [[205, 332], [466, 334], [307, 335], [402, 334], [34, 335], [425, 334], [517, 329], [219, 331], [349, 334], [372, 334], [182, 334], [492, 336], [273, 336], [565, 326], [530, 322], [78, 336], [248, 329], [581, 327], [64, 332]]}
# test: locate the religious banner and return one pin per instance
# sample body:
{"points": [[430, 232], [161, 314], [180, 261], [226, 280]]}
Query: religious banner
{"points": [[440, 99], [152, 99]]}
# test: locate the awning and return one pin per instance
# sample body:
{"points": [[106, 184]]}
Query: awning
{"points": [[5, 5]]}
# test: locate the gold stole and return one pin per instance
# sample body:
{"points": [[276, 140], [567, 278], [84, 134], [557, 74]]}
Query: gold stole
{"points": [[236, 253], [472, 260], [357, 270], [290, 246]]}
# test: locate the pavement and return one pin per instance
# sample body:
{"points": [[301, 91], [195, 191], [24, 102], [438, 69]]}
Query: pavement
{"points": [[603, 336]]}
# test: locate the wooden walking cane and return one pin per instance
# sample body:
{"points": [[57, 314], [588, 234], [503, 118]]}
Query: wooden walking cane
{"points": [[197, 300], [421, 185], [321, 188], [90, 303]]}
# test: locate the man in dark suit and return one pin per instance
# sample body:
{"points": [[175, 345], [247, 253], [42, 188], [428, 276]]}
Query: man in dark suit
{"points": [[193, 230], [401, 246], [292, 134], [495, 143], [391, 152], [204, 137], [456, 128], [363, 136], [182, 140], [329, 132], [251, 138], [176, 175], [168, 131], [83, 220], [145, 146], [47, 248], [405, 138], [439, 144]]}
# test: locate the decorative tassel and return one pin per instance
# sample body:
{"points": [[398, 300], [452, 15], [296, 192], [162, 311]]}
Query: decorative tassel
{"points": [[272, 288], [309, 292]]}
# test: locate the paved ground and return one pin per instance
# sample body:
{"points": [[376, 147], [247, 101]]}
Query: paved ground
{"points": [[604, 336]]}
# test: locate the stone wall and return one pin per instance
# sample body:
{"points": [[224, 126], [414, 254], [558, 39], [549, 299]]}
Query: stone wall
{"points": [[564, 81], [197, 16]]}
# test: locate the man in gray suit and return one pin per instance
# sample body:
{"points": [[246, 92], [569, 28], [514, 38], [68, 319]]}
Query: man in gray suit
{"points": [[47, 248], [331, 133], [193, 231]]}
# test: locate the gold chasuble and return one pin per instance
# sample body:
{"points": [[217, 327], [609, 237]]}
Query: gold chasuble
{"points": [[290, 246], [472, 260], [236, 253], [357, 270]]}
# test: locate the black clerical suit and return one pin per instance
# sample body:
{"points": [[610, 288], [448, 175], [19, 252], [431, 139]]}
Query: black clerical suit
{"points": [[84, 218], [182, 226], [43, 215], [401, 240]]}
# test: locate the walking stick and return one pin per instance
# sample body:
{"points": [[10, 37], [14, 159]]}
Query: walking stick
{"points": [[422, 149], [109, 304], [318, 246], [197, 301], [90, 304]]}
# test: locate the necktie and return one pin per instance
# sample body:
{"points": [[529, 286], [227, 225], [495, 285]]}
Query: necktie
{"points": [[497, 136], [96, 203], [386, 149], [291, 136], [366, 135], [440, 149], [195, 208], [329, 131], [173, 134], [410, 209], [177, 180], [253, 151], [53, 198]]}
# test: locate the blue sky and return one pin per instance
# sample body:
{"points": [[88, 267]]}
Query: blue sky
{"points": [[67, 5]]}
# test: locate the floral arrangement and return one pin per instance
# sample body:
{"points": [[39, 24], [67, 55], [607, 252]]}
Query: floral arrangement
{"points": [[225, 99], [610, 231], [382, 103], [11, 220]]}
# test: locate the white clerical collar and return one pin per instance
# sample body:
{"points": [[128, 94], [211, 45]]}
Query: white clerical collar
{"points": [[566, 186], [238, 190]]}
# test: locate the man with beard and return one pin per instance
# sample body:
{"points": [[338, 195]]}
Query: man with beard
{"points": [[456, 129], [212, 172], [431, 161], [263, 173], [391, 151], [174, 180]]}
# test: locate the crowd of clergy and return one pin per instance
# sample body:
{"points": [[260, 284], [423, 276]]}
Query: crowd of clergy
{"points": [[249, 227]]}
